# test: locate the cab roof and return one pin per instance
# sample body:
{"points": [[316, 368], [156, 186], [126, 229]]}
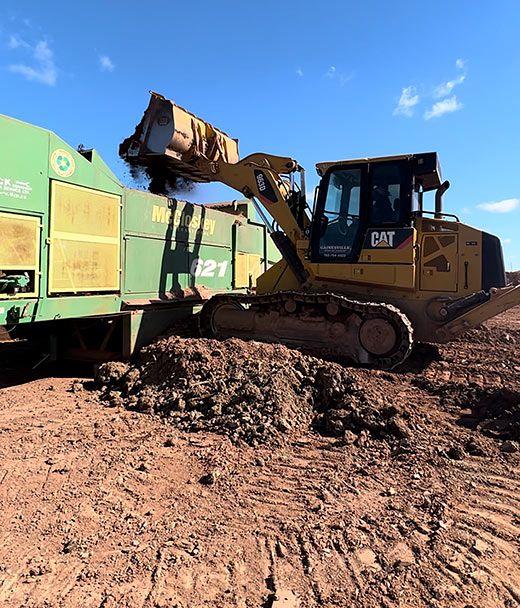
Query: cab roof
{"points": [[426, 168]]}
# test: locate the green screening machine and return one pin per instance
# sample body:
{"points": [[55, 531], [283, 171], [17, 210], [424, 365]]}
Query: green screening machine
{"points": [[97, 270]]}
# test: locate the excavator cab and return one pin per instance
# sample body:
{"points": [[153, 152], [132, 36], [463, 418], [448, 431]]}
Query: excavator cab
{"points": [[359, 195]]}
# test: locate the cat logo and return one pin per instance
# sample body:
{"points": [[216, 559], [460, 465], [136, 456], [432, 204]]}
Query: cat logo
{"points": [[384, 238]]}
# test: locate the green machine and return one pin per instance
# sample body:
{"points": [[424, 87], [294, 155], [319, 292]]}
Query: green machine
{"points": [[97, 270]]}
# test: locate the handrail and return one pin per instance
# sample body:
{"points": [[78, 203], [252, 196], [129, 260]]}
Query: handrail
{"points": [[420, 213]]}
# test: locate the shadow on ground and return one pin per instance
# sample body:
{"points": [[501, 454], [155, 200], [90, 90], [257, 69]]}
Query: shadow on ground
{"points": [[22, 361]]}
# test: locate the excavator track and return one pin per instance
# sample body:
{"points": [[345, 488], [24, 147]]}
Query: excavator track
{"points": [[370, 334]]}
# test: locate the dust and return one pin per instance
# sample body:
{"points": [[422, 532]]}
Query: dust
{"points": [[159, 179]]}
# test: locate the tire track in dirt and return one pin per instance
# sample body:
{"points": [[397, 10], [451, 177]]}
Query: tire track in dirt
{"points": [[485, 533]]}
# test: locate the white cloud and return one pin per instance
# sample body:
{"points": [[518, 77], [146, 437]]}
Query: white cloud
{"points": [[450, 104], [15, 42], [106, 64], [410, 98], [446, 87], [299, 71], [331, 72], [344, 78], [44, 69], [407, 101], [338, 76], [465, 210], [509, 204], [507, 241]]}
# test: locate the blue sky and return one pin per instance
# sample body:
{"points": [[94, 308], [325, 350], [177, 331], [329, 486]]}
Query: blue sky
{"points": [[315, 81]]}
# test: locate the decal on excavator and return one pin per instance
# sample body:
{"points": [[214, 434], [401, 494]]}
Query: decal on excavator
{"points": [[265, 190], [398, 238]]}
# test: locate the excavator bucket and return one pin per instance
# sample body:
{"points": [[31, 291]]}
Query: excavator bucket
{"points": [[169, 135]]}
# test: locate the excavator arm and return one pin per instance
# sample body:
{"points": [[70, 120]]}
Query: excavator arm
{"points": [[263, 177]]}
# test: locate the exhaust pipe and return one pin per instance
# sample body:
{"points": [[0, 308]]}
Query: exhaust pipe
{"points": [[438, 198]]}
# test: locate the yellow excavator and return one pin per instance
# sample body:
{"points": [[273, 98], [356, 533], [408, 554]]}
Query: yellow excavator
{"points": [[364, 272]]}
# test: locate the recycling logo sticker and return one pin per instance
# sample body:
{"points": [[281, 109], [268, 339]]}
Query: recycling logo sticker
{"points": [[63, 163]]}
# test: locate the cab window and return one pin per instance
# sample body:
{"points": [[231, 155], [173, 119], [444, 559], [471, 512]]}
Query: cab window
{"points": [[340, 222], [390, 196]]}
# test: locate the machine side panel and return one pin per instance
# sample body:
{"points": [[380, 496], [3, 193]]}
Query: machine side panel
{"points": [[66, 164], [84, 240], [173, 249], [148, 214], [19, 255], [250, 259], [154, 266], [439, 262], [23, 167]]}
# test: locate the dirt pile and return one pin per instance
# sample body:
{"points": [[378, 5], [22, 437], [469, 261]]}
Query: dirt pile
{"points": [[494, 412], [255, 392], [513, 277]]}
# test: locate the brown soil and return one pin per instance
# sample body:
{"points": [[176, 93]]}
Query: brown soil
{"points": [[256, 476], [513, 277]]}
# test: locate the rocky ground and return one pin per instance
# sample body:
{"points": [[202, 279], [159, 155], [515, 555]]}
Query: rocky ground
{"points": [[242, 474]]}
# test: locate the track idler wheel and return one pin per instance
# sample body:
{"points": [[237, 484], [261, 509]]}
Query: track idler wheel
{"points": [[378, 336]]}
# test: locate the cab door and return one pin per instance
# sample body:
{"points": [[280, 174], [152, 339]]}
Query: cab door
{"points": [[340, 221], [390, 236]]}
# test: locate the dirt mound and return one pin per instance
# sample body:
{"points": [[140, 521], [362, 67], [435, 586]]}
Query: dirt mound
{"points": [[255, 392], [496, 336], [513, 277], [263, 393]]}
